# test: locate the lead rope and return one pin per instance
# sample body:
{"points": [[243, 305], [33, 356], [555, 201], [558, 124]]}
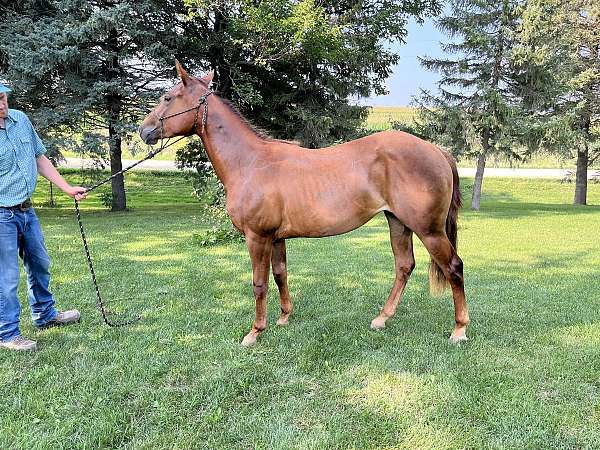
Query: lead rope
{"points": [[152, 154], [99, 302]]}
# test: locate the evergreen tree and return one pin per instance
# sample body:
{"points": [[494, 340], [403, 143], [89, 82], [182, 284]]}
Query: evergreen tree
{"points": [[560, 40], [87, 69], [476, 112]]}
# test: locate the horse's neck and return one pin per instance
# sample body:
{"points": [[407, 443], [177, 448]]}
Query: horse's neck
{"points": [[231, 144]]}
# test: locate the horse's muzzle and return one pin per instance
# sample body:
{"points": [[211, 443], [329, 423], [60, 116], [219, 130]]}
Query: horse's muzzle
{"points": [[148, 135]]}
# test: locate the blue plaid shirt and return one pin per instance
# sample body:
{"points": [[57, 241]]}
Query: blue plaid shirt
{"points": [[19, 148]]}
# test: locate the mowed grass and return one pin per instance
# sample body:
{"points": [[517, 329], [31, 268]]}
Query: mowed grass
{"points": [[527, 378]]}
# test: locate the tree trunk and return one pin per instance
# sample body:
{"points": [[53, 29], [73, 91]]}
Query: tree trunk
{"points": [[115, 106], [119, 200], [476, 199], [218, 62], [581, 177], [485, 137]]}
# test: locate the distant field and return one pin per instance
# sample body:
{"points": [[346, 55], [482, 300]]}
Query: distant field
{"points": [[381, 117]]}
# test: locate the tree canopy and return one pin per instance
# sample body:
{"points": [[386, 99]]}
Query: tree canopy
{"points": [[560, 44], [524, 75], [85, 70], [292, 66]]}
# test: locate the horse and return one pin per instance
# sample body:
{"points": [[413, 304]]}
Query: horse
{"points": [[277, 190]]}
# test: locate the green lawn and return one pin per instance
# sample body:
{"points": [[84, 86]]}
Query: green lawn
{"points": [[528, 377]]}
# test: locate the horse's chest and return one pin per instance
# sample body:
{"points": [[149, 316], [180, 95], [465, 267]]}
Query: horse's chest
{"points": [[235, 212]]}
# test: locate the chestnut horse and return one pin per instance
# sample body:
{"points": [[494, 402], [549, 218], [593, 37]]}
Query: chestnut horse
{"points": [[277, 190]]}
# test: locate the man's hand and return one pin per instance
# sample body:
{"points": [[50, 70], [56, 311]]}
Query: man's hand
{"points": [[76, 192], [49, 172]]}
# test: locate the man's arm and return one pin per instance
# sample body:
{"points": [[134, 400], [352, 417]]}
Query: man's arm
{"points": [[49, 172]]}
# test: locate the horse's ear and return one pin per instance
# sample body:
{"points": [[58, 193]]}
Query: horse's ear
{"points": [[181, 72], [208, 77]]}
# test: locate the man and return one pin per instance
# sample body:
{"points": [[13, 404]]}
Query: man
{"points": [[21, 159]]}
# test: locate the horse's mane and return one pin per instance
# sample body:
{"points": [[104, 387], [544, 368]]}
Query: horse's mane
{"points": [[261, 133]]}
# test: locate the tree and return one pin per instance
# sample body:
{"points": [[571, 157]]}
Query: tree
{"points": [[91, 66], [292, 65], [561, 41], [476, 112]]}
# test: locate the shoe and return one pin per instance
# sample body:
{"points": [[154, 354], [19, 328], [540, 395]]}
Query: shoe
{"points": [[19, 343], [62, 318]]}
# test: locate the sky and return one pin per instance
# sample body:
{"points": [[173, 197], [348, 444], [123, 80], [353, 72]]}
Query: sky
{"points": [[408, 75]]}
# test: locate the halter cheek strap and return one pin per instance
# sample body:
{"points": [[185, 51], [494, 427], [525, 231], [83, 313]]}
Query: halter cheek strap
{"points": [[201, 101]]}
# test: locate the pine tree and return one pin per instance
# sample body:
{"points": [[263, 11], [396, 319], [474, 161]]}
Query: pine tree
{"points": [[88, 69], [561, 40], [476, 112]]}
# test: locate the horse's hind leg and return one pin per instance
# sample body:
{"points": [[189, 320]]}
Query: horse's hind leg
{"points": [[401, 240], [445, 256], [279, 263], [260, 249]]}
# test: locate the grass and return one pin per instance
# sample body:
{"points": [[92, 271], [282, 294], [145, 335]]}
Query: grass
{"points": [[528, 377]]}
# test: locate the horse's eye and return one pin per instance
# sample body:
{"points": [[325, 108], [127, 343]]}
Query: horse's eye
{"points": [[167, 98]]}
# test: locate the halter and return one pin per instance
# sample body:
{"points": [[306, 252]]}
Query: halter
{"points": [[201, 101]]}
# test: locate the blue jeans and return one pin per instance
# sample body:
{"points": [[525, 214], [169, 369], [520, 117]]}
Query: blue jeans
{"points": [[21, 235]]}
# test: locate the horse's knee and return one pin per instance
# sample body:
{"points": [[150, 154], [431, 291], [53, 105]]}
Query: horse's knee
{"points": [[260, 289]]}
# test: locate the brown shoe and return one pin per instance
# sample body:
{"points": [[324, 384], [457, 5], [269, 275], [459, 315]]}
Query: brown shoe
{"points": [[63, 318], [19, 343]]}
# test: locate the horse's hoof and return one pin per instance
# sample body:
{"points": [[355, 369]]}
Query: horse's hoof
{"points": [[283, 321], [378, 323], [458, 339], [249, 340]]}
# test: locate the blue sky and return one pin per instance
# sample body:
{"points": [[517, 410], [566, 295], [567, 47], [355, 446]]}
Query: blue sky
{"points": [[408, 76]]}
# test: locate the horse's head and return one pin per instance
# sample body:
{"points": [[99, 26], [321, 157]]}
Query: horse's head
{"points": [[178, 109]]}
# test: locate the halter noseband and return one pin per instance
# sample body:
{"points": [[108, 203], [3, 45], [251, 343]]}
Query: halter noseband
{"points": [[201, 101]]}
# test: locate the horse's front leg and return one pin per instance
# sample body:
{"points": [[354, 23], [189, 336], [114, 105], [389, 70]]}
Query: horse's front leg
{"points": [[260, 249], [279, 263]]}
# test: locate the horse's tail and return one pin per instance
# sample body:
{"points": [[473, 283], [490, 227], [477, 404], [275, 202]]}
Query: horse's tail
{"points": [[437, 280]]}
